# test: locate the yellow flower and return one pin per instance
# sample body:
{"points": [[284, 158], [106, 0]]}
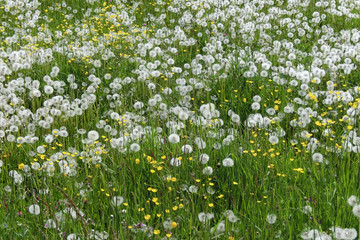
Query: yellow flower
{"points": [[21, 166], [147, 217], [156, 232], [211, 204], [173, 224]]}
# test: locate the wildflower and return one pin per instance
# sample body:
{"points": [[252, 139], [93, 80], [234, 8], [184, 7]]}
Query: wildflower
{"points": [[228, 162], [356, 210], [255, 106], [204, 217], [187, 149], [352, 201], [349, 233], [174, 138], [317, 157], [41, 149], [34, 209], [204, 158], [175, 162], [93, 135], [235, 118], [273, 140], [21, 166], [207, 170], [135, 147], [307, 209], [193, 189], [271, 218], [167, 224], [117, 201]]}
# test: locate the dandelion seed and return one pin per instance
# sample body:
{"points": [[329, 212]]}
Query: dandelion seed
{"points": [[255, 106], [193, 189], [228, 162], [117, 201], [356, 210], [271, 218], [307, 209], [207, 170], [317, 157], [187, 149], [174, 138], [135, 147], [352, 201], [204, 158], [34, 209], [93, 135], [273, 140], [175, 162]]}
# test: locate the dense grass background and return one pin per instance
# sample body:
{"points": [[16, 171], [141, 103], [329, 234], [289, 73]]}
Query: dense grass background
{"points": [[266, 178]]}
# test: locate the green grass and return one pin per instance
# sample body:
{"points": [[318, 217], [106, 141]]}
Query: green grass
{"points": [[278, 179]]}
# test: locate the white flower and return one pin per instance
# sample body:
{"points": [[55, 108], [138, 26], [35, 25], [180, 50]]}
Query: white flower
{"points": [[352, 201], [175, 162], [204, 217], [135, 147], [34, 209], [93, 135], [235, 118], [257, 98], [40, 149], [7, 188], [174, 138], [221, 227], [183, 116], [349, 233], [356, 210], [307, 209], [207, 170], [273, 140], [48, 89], [232, 218], [138, 105], [228, 162], [50, 224], [35, 166], [117, 201], [271, 218], [193, 189], [187, 148], [167, 224], [310, 234], [201, 144], [255, 106], [317, 157], [72, 237], [204, 158]]}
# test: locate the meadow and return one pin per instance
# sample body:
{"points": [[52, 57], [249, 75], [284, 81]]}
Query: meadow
{"points": [[179, 119]]}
